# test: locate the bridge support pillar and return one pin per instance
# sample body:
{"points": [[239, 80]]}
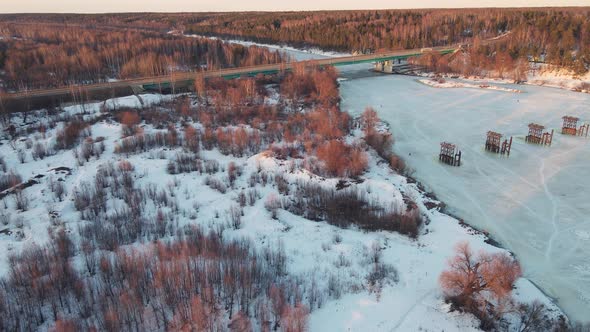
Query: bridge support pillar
{"points": [[380, 66], [385, 66], [137, 89]]}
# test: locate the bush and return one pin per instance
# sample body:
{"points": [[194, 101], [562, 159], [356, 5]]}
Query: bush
{"points": [[211, 166], [191, 139], [381, 142], [22, 156], [348, 207], [144, 142], [233, 172], [9, 180], [235, 216], [39, 151], [340, 159], [129, 121], [185, 163], [272, 204], [58, 188], [479, 283], [71, 133], [22, 200], [216, 184], [381, 274]]}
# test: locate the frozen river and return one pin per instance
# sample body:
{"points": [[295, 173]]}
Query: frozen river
{"points": [[535, 203]]}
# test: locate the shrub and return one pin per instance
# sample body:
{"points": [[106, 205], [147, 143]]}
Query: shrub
{"points": [[349, 207], [185, 163], [211, 166], [191, 139], [340, 159], [9, 180], [272, 204], [381, 142], [381, 274], [477, 283], [216, 184], [21, 155], [129, 121], [145, 142], [235, 216], [71, 133], [39, 151], [58, 188], [22, 200]]}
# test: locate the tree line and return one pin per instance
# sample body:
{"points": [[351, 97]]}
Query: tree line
{"points": [[42, 56], [558, 35]]}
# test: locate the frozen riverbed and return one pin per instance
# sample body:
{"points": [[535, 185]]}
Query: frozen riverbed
{"points": [[535, 203]]}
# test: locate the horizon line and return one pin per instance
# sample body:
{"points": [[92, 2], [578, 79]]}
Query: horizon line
{"points": [[290, 10]]}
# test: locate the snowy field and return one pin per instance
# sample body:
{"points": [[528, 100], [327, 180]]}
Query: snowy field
{"points": [[534, 203], [316, 251]]}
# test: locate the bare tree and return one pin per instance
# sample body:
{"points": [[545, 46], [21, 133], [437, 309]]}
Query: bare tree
{"points": [[21, 200], [21, 155], [533, 317], [480, 284]]}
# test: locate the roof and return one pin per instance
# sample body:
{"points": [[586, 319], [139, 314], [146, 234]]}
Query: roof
{"points": [[494, 134], [447, 145], [570, 118], [536, 126]]}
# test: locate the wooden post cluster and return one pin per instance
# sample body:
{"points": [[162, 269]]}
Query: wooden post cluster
{"points": [[570, 125], [537, 136], [493, 141], [495, 144], [583, 131], [506, 147], [449, 154]]}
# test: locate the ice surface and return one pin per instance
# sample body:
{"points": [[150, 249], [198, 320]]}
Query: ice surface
{"points": [[535, 203]]}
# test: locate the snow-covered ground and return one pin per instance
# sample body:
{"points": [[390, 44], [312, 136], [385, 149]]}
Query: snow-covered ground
{"points": [[296, 54], [534, 203], [442, 83], [545, 75], [315, 249]]}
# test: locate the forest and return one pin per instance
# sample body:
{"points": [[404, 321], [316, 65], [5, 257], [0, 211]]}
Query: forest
{"points": [[36, 56], [560, 36], [72, 48]]}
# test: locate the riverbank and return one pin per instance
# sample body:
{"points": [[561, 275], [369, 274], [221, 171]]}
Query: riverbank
{"points": [[396, 97], [529, 203]]}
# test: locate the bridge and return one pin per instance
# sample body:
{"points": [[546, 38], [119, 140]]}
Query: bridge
{"points": [[32, 99]]}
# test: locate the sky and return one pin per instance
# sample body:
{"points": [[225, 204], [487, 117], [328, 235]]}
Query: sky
{"points": [[104, 6]]}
